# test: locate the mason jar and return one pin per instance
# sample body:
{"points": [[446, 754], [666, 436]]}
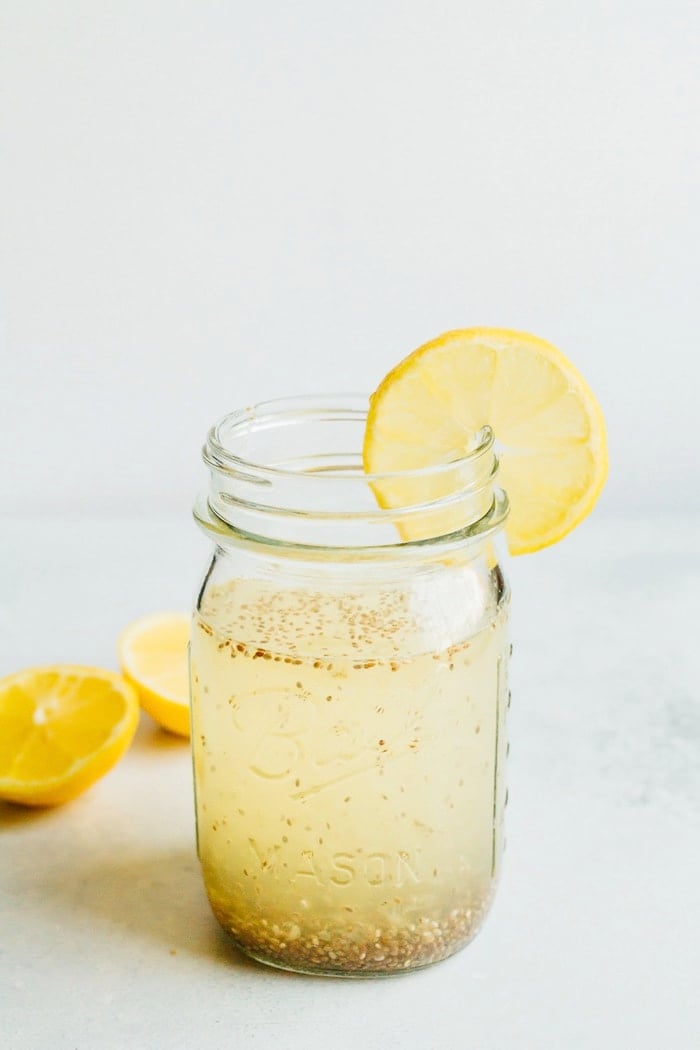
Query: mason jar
{"points": [[349, 689]]}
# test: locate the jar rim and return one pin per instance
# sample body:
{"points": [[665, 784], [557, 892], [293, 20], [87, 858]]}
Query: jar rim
{"points": [[354, 406], [290, 471]]}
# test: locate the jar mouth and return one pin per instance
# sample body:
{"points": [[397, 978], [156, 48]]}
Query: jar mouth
{"points": [[290, 471], [219, 453]]}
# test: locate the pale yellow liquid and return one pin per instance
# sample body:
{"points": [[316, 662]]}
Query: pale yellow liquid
{"points": [[349, 781]]}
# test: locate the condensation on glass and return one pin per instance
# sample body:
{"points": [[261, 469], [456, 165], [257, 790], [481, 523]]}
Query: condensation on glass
{"points": [[349, 693]]}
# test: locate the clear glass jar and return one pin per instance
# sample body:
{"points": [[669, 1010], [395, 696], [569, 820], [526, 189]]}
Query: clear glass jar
{"points": [[349, 691]]}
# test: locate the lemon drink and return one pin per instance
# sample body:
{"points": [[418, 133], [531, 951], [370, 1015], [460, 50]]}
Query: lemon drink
{"points": [[349, 774], [348, 704]]}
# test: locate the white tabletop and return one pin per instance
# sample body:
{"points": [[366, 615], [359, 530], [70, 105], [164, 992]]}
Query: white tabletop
{"points": [[106, 939]]}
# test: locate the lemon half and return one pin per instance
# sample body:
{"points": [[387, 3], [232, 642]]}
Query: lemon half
{"points": [[61, 729], [153, 656]]}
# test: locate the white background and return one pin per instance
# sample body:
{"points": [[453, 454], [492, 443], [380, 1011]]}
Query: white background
{"points": [[203, 204], [208, 203]]}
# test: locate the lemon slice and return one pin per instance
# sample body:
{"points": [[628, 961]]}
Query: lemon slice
{"points": [[61, 729], [549, 427], [153, 655]]}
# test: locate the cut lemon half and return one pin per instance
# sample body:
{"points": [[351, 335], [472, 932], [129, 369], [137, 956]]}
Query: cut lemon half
{"points": [[61, 729], [549, 428], [153, 656]]}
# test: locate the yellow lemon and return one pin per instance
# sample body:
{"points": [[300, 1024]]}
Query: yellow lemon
{"points": [[61, 729], [153, 656], [549, 428]]}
